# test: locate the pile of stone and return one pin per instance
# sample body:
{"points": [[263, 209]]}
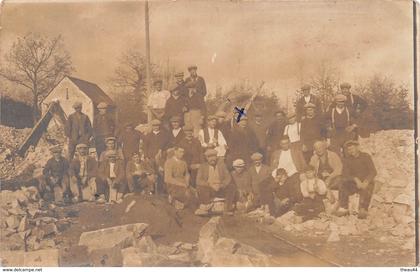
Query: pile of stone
{"points": [[28, 223], [391, 214]]}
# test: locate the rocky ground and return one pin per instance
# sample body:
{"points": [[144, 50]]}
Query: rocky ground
{"points": [[147, 231]]}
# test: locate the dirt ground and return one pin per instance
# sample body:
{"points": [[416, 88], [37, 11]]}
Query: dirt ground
{"points": [[167, 225]]}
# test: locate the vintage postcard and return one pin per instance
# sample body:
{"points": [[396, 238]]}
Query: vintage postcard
{"points": [[208, 133]]}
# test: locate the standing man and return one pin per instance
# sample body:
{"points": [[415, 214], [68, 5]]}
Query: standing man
{"points": [[156, 142], [243, 142], [258, 172], [83, 170], [212, 138], [78, 129], [176, 105], [223, 125], [342, 128], [275, 131], [129, 140], [307, 98], [354, 103], [111, 144], [194, 155], [358, 177], [293, 129], [214, 180], [260, 131], [103, 126], [312, 130], [196, 93], [176, 134], [157, 100], [288, 158]]}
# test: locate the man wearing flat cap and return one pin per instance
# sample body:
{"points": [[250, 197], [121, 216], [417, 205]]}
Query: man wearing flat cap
{"points": [[54, 181], [129, 140], [156, 101], [177, 104], [78, 129], [354, 102], [83, 171], [358, 177], [242, 179], [214, 180], [199, 81], [176, 133], [103, 126], [307, 98], [212, 138], [140, 174], [194, 154], [111, 144], [341, 125], [312, 129], [111, 175], [258, 172], [196, 107]]}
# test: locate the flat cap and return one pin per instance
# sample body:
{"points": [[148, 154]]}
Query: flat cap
{"points": [[187, 128], [55, 149], [92, 150], [81, 146], [180, 74], [221, 114], [291, 114], [345, 85], [306, 87], [157, 81], [175, 118], [340, 98], [107, 139], [110, 153], [256, 156], [155, 122], [351, 143], [77, 104], [238, 163], [102, 105], [210, 153], [192, 67], [211, 117], [309, 105]]}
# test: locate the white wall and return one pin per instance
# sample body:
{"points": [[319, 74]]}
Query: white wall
{"points": [[66, 92]]}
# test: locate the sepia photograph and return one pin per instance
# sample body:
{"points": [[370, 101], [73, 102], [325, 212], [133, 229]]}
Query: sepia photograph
{"points": [[208, 133]]}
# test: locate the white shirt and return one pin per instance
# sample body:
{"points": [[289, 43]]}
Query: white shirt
{"points": [[112, 170], [293, 131], [157, 100], [175, 132], [220, 144], [258, 169], [340, 111], [307, 99], [286, 162]]}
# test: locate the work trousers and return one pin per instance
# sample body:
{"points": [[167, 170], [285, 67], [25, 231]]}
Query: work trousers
{"points": [[84, 191], [348, 187], [53, 190], [310, 207], [206, 194], [142, 183]]}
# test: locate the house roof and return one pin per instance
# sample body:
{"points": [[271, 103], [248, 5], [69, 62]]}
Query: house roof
{"points": [[96, 94]]}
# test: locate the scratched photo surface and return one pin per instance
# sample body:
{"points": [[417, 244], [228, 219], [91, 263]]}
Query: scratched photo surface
{"points": [[207, 133]]}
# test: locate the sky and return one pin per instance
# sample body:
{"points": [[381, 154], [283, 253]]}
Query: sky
{"points": [[279, 42]]}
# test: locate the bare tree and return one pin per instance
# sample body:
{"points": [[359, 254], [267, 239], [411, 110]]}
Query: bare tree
{"points": [[37, 63], [325, 83]]}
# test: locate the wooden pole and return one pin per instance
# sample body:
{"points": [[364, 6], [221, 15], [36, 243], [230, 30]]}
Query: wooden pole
{"points": [[148, 72]]}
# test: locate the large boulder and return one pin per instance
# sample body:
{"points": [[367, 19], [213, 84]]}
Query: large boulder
{"points": [[37, 258], [208, 236], [122, 236], [132, 256]]}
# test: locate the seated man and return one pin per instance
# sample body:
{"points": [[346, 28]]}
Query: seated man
{"points": [[141, 176], [288, 157], [54, 181], [242, 179], [111, 173], [358, 177], [177, 180], [176, 133], [193, 153], [278, 194], [327, 165], [258, 172], [83, 170], [212, 138], [214, 180], [313, 191]]}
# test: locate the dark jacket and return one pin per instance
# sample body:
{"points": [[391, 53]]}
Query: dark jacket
{"points": [[174, 141], [274, 133], [103, 171], [300, 106], [361, 167], [175, 107], [257, 178], [311, 130], [103, 125], [155, 142], [242, 144], [56, 169], [78, 128], [203, 174], [193, 151], [91, 165], [130, 142]]}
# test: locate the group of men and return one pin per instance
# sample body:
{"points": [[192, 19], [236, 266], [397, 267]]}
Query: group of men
{"points": [[218, 163]]}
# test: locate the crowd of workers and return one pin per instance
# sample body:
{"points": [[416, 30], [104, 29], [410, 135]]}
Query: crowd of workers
{"points": [[217, 162]]}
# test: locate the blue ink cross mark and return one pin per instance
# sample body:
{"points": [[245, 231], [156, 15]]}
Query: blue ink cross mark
{"points": [[241, 112]]}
